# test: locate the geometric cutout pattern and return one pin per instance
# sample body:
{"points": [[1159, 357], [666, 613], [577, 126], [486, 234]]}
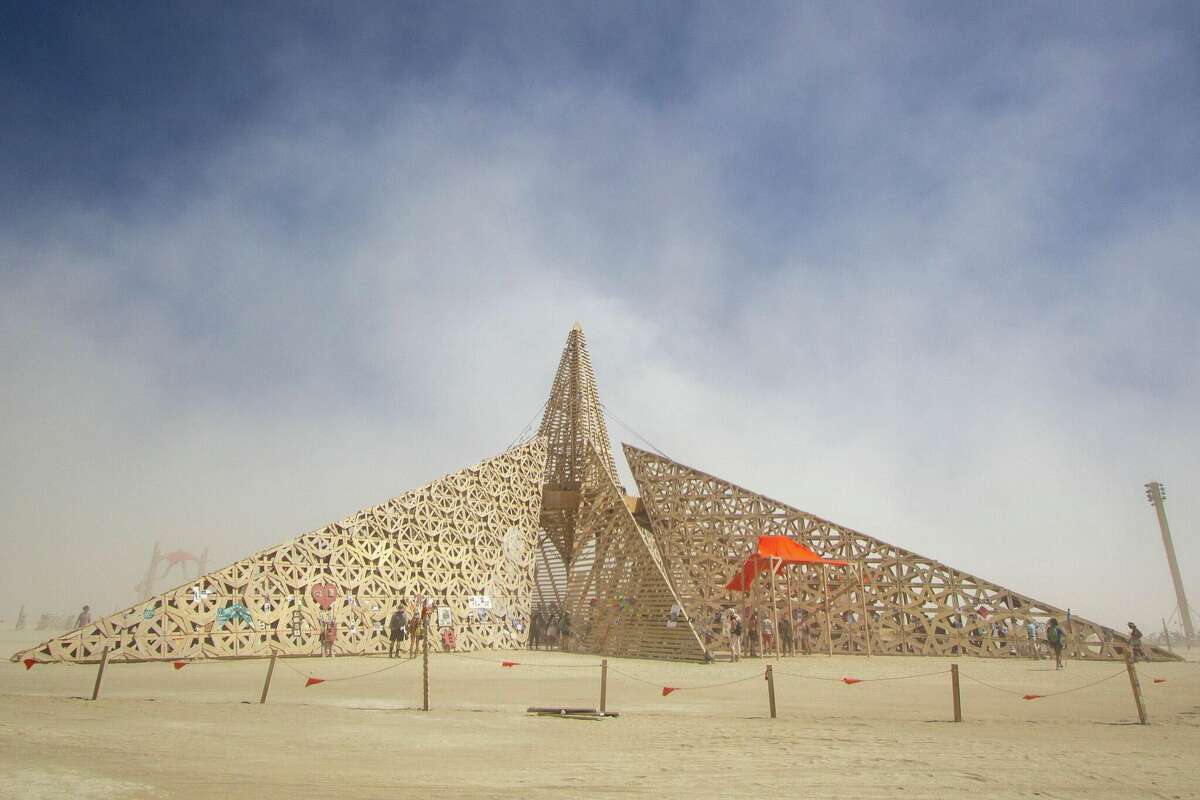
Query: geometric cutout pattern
{"points": [[903, 603], [618, 595], [470, 533]]}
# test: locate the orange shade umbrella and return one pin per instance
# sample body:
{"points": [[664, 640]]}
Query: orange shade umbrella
{"points": [[782, 548]]}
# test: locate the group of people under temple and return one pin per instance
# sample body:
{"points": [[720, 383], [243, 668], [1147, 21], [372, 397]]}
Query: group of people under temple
{"points": [[411, 622], [550, 628], [405, 625], [754, 633]]}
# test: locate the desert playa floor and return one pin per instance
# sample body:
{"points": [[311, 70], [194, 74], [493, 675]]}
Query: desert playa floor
{"points": [[158, 732]]}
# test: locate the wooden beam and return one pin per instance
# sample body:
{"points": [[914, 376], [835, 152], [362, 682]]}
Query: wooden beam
{"points": [[560, 500]]}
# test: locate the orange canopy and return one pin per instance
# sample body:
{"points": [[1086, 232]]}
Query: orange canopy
{"points": [[787, 551]]}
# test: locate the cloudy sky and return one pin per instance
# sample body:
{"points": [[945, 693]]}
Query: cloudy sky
{"points": [[928, 270]]}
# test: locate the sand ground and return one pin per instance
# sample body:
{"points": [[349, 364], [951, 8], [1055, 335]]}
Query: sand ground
{"points": [[199, 732]]}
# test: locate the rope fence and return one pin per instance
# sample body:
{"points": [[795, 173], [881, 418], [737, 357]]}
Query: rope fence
{"points": [[666, 690], [768, 674], [508, 663], [1028, 696], [312, 680]]}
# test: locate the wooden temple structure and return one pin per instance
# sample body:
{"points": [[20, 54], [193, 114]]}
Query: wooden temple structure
{"points": [[547, 528]]}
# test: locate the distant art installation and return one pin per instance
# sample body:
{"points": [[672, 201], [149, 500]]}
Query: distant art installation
{"points": [[547, 528]]}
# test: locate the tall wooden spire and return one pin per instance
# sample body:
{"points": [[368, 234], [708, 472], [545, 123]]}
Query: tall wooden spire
{"points": [[572, 423], [573, 419]]}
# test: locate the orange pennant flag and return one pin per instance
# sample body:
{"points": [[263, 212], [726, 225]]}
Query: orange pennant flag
{"points": [[668, 689], [851, 681], [313, 682], [508, 663], [1032, 697], [179, 664], [29, 662]]}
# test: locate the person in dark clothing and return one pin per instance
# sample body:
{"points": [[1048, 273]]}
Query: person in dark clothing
{"points": [[535, 631], [397, 626], [1057, 639], [785, 636]]}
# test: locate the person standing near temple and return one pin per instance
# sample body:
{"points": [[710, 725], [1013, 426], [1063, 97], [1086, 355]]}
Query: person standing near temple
{"points": [[397, 628], [786, 640], [85, 617], [1136, 650], [725, 626], [735, 635], [328, 636], [564, 632], [535, 630], [414, 627], [1031, 635], [802, 627]]}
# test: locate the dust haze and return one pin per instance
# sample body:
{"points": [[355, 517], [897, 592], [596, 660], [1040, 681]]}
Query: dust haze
{"points": [[948, 300]]}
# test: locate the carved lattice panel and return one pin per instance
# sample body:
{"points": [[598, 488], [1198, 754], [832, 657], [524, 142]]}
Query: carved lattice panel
{"points": [[705, 527], [468, 534]]}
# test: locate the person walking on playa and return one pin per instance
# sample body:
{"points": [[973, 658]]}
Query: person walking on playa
{"points": [[397, 627], [735, 636], [85, 617], [1057, 640], [1136, 651]]}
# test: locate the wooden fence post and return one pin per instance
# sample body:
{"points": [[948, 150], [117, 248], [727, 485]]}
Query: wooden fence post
{"points": [[267, 682], [954, 691], [603, 684], [1137, 690], [828, 612], [425, 667], [771, 689], [862, 593], [100, 674]]}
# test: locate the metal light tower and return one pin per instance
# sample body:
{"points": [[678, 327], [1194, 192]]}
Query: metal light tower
{"points": [[1156, 495]]}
